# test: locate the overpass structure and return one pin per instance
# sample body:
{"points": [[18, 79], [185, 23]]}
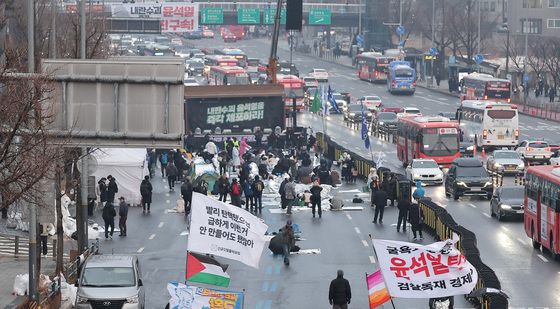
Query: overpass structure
{"points": [[339, 15]]}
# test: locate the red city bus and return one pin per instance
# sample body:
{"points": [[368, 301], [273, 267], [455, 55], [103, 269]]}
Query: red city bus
{"points": [[235, 53], [476, 86], [373, 67], [432, 137], [542, 207], [228, 76], [293, 86]]}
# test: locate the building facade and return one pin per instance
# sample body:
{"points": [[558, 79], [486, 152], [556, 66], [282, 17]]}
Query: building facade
{"points": [[535, 17]]}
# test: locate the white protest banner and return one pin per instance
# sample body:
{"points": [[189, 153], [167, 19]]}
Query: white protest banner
{"points": [[415, 271], [136, 10], [179, 17], [192, 297], [225, 230]]}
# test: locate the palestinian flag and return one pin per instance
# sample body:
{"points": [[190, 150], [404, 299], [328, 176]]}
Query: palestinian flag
{"points": [[204, 269]]}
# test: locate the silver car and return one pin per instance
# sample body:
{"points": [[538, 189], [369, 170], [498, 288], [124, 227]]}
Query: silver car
{"points": [[505, 161], [110, 281]]}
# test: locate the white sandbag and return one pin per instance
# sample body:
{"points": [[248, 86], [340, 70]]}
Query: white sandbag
{"points": [[180, 206], [68, 292], [201, 169], [21, 283]]}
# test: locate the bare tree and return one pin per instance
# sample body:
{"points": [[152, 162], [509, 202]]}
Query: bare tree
{"points": [[552, 61]]}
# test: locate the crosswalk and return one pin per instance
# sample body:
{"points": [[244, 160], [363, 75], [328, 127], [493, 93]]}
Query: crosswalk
{"points": [[8, 245]]}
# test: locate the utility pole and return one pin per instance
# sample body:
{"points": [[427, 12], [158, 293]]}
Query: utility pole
{"points": [[82, 211], [33, 272], [431, 81], [478, 39], [526, 82], [52, 39], [82, 29], [507, 50], [273, 60], [360, 17]]}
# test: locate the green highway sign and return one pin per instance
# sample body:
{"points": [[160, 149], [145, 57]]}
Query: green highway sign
{"points": [[250, 16], [212, 16], [319, 17], [270, 14]]}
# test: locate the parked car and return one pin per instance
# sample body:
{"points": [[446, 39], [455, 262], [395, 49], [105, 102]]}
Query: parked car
{"points": [[467, 176], [505, 161], [110, 281], [425, 170], [507, 201], [534, 151]]}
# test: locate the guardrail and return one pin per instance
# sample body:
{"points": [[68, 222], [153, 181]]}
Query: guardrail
{"points": [[438, 222]]}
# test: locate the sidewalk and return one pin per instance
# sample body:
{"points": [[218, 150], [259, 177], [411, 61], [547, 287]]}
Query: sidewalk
{"points": [[535, 107], [14, 266]]}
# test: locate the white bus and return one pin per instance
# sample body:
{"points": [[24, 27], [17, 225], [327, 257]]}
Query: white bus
{"points": [[489, 124]]}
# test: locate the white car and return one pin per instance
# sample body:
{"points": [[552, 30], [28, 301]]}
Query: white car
{"points": [[321, 75], [425, 170], [410, 112], [534, 151], [190, 81], [340, 102], [371, 102]]}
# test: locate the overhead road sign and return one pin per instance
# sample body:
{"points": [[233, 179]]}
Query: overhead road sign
{"points": [[212, 16], [248, 16], [320, 17], [270, 14]]}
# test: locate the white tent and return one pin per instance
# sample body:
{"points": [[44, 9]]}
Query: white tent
{"points": [[127, 165]]}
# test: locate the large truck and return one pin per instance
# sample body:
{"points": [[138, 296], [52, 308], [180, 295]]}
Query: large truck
{"points": [[234, 111]]}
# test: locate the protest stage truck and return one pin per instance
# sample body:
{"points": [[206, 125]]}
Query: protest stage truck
{"points": [[234, 111]]}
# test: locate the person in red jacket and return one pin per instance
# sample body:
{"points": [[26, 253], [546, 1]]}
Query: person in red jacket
{"points": [[235, 193]]}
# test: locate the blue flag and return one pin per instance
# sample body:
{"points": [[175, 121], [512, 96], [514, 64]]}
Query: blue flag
{"points": [[365, 136], [331, 100]]}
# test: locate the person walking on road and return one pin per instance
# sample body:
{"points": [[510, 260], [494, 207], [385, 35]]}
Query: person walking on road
{"points": [[373, 188], [258, 188], [171, 175], [416, 220], [316, 197], [282, 192], [102, 191], [419, 192], [223, 188], [123, 214], [163, 160], [249, 194], [146, 192], [290, 193], [551, 94], [340, 293], [112, 189], [109, 215], [186, 193], [392, 188], [235, 193], [380, 203], [288, 241], [404, 206]]}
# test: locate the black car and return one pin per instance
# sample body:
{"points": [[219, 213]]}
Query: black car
{"points": [[195, 68], [467, 176], [507, 201], [354, 113], [385, 122]]}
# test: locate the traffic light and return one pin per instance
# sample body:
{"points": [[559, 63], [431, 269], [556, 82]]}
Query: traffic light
{"points": [[294, 14]]}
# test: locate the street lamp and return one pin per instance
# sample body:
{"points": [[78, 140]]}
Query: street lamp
{"points": [[505, 29]]}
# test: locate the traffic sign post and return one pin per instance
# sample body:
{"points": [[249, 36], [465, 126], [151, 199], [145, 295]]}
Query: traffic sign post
{"points": [[320, 17], [248, 16], [270, 14], [212, 16], [360, 40], [478, 58], [401, 30]]}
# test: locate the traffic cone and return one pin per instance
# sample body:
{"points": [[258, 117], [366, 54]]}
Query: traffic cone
{"points": [[483, 154]]}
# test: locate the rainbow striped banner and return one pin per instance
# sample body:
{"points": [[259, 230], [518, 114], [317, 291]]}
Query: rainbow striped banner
{"points": [[377, 291]]}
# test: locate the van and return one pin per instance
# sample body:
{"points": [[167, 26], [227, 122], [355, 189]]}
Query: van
{"points": [[110, 281]]}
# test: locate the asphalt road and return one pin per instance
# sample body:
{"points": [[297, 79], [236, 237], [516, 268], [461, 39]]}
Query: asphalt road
{"points": [[530, 277]]}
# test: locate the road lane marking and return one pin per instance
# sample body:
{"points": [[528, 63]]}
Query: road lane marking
{"points": [[487, 215], [372, 259], [167, 201], [160, 225], [348, 216], [472, 205], [140, 250], [521, 241], [167, 194], [152, 236], [542, 123], [357, 230], [542, 258], [504, 228], [184, 233], [365, 243]]}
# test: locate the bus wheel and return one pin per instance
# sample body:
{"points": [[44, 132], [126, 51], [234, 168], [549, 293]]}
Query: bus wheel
{"points": [[554, 255]]}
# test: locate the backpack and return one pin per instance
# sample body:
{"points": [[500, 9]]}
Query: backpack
{"points": [[164, 158], [235, 189], [259, 186]]}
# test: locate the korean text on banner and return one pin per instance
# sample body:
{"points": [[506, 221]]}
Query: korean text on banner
{"points": [[136, 10], [225, 230], [179, 17], [416, 271], [192, 297]]}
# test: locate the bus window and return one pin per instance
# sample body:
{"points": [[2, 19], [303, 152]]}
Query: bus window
{"points": [[501, 114], [406, 73], [440, 142]]}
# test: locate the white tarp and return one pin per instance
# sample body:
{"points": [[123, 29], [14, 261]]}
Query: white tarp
{"points": [[225, 230], [411, 270], [127, 165]]}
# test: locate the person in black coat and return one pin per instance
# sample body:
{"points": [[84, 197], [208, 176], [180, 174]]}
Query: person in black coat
{"points": [[186, 193], [112, 189], [146, 192], [102, 186], [403, 205], [380, 203], [340, 293], [392, 189], [416, 220], [316, 197], [282, 193], [108, 215]]}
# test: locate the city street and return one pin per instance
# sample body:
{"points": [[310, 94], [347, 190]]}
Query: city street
{"points": [[523, 271]]}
